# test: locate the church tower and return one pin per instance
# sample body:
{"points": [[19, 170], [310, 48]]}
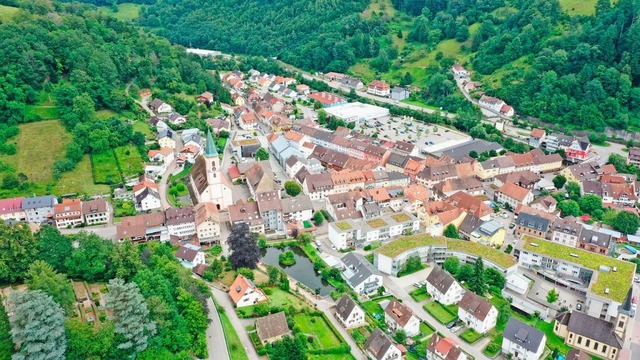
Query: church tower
{"points": [[212, 159], [207, 179], [624, 313]]}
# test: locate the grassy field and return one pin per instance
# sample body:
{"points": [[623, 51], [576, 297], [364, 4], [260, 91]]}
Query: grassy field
{"points": [[125, 11], [39, 145], [7, 12], [234, 346], [379, 6], [578, 7], [440, 312], [316, 326], [80, 181], [130, 160], [105, 168], [145, 129], [426, 329], [105, 114]]}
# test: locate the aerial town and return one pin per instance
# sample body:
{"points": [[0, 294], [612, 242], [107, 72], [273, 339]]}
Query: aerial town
{"points": [[386, 237]]}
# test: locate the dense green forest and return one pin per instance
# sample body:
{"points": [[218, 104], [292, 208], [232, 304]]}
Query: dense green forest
{"points": [[580, 71], [156, 309], [82, 60]]}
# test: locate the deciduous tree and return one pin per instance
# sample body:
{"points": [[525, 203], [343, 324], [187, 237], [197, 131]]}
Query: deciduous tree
{"points": [[559, 181], [626, 222], [451, 232], [292, 188], [451, 265], [18, 248], [552, 296], [243, 246], [477, 282]]}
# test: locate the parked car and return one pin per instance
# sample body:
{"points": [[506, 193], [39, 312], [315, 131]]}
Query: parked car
{"points": [[416, 284], [578, 306], [512, 225], [451, 324]]}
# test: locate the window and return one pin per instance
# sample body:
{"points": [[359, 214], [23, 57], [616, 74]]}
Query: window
{"points": [[620, 323], [587, 343], [579, 340], [604, 348]]}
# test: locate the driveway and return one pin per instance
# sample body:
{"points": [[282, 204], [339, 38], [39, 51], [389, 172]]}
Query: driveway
{"points": [[216, 343]]}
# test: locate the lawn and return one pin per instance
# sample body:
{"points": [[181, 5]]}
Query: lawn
{"points": [[105, 114], [470, 336], [330, 357], [42, 112], [105, 168], [420, 104], [234, 346], [130, 160], [7, 12], [277, 298], [406, 272], [39, 145], [144, 128], [440, 312], [80, 181], [125, 11], [420, 294], [316, 326], [553, 340], [578, 7], [426, 329]]}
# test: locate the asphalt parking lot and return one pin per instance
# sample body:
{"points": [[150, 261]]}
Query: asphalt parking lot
{"points": [[406, 129]]}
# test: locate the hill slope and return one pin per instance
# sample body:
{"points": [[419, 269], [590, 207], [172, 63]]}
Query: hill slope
{"points": [[579, 71]]}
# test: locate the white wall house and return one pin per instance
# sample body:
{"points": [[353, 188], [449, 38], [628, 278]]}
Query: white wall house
{"points": [[244, 292], [400, 317], [443, 288], [349, 313], [190, 256], [523, 341], [477, 312]]}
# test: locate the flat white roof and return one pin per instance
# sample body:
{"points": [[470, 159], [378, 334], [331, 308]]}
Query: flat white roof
{"points": [[357, 110]]}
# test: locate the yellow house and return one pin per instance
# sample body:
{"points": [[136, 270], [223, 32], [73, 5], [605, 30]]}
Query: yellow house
{"points": [[440, 213], [490, 233], [167, 142], [593, 335]]}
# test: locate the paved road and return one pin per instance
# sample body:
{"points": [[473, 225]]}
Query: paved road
{"points": [[163, 185], [104, 231], [216, 343], [223, 299]]}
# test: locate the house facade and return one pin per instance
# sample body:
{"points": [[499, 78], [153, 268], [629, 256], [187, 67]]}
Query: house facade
{"points": [[95, 211], [360, 274], [349, 313], [180, 222], [443, 288], [191, 255], [400, 317], [68, 213], [522, 341], [477, 312], [39, 209], [244, 292]]}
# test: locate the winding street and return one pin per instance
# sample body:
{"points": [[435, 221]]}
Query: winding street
{"points": [[223, 299]]}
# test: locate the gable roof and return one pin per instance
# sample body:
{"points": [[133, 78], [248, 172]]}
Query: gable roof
{"points": [[524, 335], [177, 216], [446, 347], [39, 202], [593, 328], [533, 221], [475, 305], [514, 191], [399, 312], [272, 326], [440, 279], [378, 344], [359, 269], [239, 287], [188, 253], [94, 206], [345, 306], [8, 206]]}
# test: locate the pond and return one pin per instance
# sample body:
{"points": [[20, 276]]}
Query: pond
{"points": [[302, 271]]}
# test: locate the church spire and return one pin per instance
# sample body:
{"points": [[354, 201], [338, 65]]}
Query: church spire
{"points": [[210, 147]]}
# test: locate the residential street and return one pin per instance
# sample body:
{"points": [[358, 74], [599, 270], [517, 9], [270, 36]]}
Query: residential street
{"points": [[162, 185], [216, 343]]}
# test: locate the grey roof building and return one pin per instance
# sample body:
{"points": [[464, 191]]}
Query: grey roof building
{"points": [[523, 335], [360, 274], [39, 202]]}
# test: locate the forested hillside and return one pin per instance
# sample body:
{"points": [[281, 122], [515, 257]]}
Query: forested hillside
{"points": [[580, 71], [324, 35], [77, 61]]}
